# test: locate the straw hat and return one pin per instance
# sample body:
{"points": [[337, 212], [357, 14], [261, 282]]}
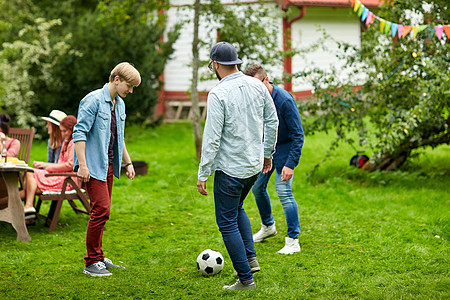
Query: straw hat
{"points": [[55, 117]]}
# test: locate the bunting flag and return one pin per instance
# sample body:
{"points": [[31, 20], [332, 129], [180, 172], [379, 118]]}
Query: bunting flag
{"points": [[370, 18], [394, 29], [439, 30], [360, 10], [447, 30], [399, 31], [387, 27], [382, 24], [406, 30], [364, 14], [357, 5]]}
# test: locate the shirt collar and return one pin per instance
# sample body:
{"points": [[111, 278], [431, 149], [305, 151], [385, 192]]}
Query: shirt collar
{"points": [[231, 77], [107, 95], [274, 90]]}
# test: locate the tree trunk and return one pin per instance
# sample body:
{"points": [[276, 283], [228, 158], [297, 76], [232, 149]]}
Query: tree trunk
{"points": [[388, 162], [194, 95]]}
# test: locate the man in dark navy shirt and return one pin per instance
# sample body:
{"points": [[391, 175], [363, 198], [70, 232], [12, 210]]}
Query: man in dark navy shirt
{"points": [[286, 157]]}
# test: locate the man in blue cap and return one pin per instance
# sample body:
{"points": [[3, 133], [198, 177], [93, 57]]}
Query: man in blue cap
{"points": [[238, 143]]}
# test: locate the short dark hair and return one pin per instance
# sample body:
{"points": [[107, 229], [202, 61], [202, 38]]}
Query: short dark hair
{"points": [[255, 69], [4, 123]]}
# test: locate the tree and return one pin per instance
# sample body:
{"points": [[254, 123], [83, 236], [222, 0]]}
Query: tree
{"points": [[403, 100], [107, 33], [194, 95], [255, 45], [52, 53], [26, 64]]}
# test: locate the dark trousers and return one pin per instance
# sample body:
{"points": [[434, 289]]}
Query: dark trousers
{"points": [[233, 222], [100, 196]]}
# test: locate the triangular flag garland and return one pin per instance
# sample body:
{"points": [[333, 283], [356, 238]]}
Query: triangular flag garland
{"points": [[394, 27], [387, 27], [397, 29], [406, 30]]}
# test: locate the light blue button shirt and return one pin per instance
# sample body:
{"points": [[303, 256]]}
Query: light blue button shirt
{"points": [[240, 129], [94, 127]]}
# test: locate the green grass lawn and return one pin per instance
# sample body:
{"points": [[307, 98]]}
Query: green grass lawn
{"points": [[364, 235]]}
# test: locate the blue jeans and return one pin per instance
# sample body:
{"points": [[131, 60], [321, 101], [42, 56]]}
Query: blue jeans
{"points": [[284, 191], [233, 222]]}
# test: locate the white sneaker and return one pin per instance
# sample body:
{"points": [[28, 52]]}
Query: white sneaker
{"points": [[239, 285], [291, 246], [264, 232]]}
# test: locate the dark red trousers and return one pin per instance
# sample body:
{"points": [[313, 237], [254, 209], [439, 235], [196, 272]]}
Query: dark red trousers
{"points": [[100, 196]]}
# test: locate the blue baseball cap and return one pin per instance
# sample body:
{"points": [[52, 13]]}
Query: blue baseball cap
{"points": [[225, 54]]}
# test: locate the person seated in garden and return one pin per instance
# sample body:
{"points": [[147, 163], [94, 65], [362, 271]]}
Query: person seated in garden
{"points": [[54, 141], [12, 145], [37, 182]]}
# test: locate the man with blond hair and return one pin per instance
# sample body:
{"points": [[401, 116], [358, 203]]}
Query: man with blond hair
{"points": [[99, 151], [288, 150]]}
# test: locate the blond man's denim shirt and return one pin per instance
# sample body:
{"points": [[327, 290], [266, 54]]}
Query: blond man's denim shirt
{"points": [[94, 127], [240, 129]]}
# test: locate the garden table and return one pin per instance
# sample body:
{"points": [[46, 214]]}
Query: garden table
{"points": [[14, 213]]}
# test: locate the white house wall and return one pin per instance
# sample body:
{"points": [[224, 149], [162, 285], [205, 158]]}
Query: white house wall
{"points": [[178, 71], [338, 22]]}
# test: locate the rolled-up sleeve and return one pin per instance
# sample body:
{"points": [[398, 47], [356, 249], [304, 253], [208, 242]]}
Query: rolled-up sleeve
{"points": [[270, 125], [87, 112], [211, 135]]}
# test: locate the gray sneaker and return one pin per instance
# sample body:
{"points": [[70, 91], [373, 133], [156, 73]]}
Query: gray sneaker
{"points": [[97, 270], [109, 264], [241, 285], [254, 266]]}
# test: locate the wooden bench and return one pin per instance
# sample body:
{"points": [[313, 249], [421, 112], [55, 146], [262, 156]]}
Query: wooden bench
{"points": [[181, 111]]}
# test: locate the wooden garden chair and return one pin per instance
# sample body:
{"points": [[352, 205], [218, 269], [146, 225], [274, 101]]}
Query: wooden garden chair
{"points": [[57, 198], [25, 136]]}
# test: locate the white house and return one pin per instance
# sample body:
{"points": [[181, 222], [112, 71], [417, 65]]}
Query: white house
{"points": [[299, 31]]}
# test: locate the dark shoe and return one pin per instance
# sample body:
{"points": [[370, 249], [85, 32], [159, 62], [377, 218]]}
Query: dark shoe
{"points": [[109, 264], [97, 270], [241, 285], [254, 266], [30, 222]]}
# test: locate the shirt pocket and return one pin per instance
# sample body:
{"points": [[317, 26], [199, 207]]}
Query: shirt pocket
{"points": [[102, 120]]}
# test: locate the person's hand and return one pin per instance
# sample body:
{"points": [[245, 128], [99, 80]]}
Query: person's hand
{"points": [[83, 173], [267, 166], [286, 173], [130, 171], [201, 187], [39, 165]]}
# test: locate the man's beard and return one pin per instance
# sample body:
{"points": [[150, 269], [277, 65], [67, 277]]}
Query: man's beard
{"points": [[217, 75]]}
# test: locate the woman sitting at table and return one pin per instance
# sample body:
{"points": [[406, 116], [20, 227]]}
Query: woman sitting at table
{"points": [[37, 182], [54, 141], [12, 145]]}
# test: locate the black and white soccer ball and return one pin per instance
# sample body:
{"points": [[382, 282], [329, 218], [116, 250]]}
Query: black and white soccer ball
{"points": [[210, 262]]}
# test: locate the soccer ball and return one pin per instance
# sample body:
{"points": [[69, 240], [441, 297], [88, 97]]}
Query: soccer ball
{"points": [[210, 262]]}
